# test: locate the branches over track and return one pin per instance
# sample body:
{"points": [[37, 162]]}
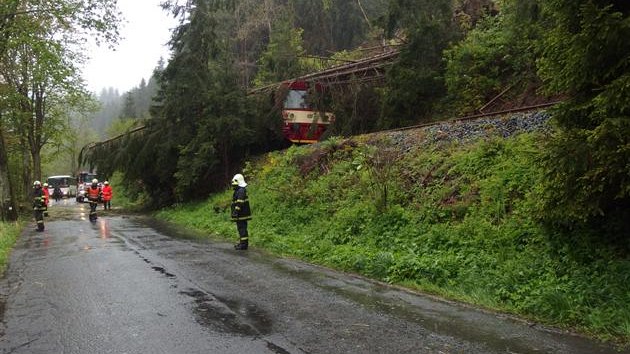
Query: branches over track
{"points": [[365, 70]]}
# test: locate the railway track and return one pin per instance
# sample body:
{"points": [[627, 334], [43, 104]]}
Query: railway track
{"points": [[411, 127], [473, 117]]}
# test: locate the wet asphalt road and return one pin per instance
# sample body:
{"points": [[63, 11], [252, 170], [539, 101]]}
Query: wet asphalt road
{"points": [[130, 285]]}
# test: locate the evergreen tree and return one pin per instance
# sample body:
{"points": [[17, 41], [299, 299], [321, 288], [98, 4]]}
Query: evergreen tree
{"points": [[198, 122], [281, 59], [334, 25], [416, 82], [109, 110], [129, 107], [586, 56], [182, 99]]}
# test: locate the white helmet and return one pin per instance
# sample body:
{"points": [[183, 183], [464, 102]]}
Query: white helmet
{"points": [[239, 180], [37, 184], [106, 183], [94, 181], [45, 184]]}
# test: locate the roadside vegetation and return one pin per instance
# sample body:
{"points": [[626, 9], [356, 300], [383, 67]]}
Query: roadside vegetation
{"points": [[457, 220], [537, 225], [125, 196], [9, 232]]}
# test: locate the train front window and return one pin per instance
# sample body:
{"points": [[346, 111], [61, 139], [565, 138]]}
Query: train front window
{"points": [[296, 99]]}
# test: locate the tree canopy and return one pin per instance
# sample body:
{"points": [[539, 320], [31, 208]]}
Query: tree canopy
{"points": [[586, 55], [41, 45]]}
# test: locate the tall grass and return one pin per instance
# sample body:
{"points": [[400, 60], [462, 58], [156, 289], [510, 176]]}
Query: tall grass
{"points": [[458, 221], [8, 235]]}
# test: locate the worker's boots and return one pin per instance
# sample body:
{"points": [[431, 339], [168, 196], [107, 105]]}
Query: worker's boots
{"points": [[241, 245]]}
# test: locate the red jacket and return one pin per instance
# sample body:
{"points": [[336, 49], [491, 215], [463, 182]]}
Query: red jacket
{"points": [[46, 194], [107, 193]]}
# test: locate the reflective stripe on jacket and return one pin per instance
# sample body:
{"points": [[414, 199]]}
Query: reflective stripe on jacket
{"points": [[240, 205], [38, 199], [93, 193]]}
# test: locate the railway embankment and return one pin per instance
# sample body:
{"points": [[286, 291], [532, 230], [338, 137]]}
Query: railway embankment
{"points": [[468, 131], [450, 209]]}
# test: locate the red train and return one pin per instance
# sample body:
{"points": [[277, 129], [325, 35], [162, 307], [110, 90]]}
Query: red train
{"points": [[304, 122]]}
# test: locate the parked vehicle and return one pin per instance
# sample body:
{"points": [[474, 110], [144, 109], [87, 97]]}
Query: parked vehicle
{"points": [[65, 183], [84, 179]]}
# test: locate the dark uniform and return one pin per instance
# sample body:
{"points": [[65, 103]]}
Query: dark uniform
{"points": [[241, 211], [57, 193], [39, 206]]}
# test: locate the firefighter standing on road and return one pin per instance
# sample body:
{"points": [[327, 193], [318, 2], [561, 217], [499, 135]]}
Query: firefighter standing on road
{"points": [[107, 196], [38, 205], [241, 212], [94, 195]]}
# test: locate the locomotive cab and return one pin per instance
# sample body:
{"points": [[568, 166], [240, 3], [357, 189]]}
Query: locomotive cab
{"points": [[303, 122]]}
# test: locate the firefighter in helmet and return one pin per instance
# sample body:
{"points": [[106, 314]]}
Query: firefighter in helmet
{"points": [[94, 196], [107, 196], [241, 211], [38, 205]]}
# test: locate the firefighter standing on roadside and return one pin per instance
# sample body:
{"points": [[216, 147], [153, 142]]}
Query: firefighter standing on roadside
{"points": [[241, 211], [38, 205], [46, 198], [94, 195], [107, 196]]}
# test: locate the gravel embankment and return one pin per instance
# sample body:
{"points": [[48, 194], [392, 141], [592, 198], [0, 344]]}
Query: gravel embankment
{"points": [[466, 131]]}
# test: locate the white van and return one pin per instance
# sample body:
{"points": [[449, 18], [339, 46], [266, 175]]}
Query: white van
{"points": [[66, 183]]}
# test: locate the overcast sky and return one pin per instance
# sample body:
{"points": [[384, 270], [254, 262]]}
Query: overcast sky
{"points": [[145, 30]]}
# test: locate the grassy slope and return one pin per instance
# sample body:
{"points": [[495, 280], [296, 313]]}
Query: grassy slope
{"points": [[451, 219]]}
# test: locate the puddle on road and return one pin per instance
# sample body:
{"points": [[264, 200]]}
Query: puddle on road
{"points": [[103, 228], [67, 209], [230, 316], [163, 271]]}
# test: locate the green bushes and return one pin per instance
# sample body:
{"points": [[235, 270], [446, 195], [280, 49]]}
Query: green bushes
{"points": [[459, 222]]}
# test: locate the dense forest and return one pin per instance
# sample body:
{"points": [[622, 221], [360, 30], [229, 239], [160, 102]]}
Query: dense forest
{"points": [[455, 57], [223, 49], [117, 112]]}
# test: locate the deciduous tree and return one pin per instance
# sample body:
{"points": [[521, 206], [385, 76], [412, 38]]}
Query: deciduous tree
{"points": [[40, 46]]}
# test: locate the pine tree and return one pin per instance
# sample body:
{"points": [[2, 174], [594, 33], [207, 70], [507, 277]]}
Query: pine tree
{"points": [[281, 59], [586, 56], [198, 122], [416, 82], [129, 107]]}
